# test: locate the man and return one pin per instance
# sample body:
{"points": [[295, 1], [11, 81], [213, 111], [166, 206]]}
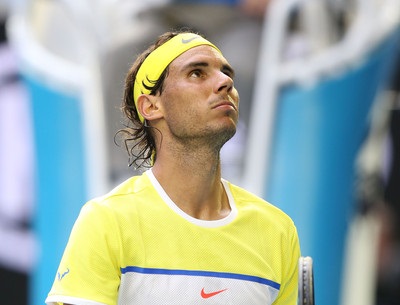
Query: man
{"points": [[179, 233]]}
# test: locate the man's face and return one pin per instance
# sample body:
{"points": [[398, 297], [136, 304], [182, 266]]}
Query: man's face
{"points": [[199, 99]]}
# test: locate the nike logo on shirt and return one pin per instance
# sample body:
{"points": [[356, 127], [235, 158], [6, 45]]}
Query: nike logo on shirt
{"points": [[206, 295]]}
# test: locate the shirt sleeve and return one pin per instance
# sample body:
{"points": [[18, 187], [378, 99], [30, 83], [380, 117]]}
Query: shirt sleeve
{"points": [[288, 293], [89, 271]]}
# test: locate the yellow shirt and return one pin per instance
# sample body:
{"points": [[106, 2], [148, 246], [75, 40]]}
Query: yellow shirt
{"points": [[135, 246]]}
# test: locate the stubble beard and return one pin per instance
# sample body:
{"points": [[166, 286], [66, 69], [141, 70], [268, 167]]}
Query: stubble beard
{"points": [[213, 139], [210, 138], [222, 137]]}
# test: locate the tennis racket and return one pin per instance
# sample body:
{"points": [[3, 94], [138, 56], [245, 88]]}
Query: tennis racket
{"points": [[306, 281]]}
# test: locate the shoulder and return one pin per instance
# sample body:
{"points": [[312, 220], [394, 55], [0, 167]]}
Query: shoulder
{"points": [[131, 189], [247, 201], [273, 224], [133, 186], [124, 198]]}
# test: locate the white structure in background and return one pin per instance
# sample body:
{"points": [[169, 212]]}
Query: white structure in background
{"points": [[16, 169]]}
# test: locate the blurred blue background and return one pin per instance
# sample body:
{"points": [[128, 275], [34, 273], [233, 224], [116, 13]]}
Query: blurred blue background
{"points": [[318, 81]]}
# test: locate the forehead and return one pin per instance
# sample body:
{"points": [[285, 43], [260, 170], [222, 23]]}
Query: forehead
{"points": [[200, 53]]}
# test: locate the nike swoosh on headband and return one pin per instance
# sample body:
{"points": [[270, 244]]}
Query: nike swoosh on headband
{"points": [[188, 40]]}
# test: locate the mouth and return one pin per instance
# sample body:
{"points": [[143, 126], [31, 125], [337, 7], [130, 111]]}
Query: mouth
{"points": [[225, 104]]}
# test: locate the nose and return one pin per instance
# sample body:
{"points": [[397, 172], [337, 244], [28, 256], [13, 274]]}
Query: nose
{"points": [[224, 83]]}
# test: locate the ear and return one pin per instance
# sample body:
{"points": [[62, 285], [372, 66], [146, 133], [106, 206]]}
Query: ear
{"points": [[148, 107]]}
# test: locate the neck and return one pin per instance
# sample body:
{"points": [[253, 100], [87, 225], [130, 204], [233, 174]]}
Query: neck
{"points": [[192, 179]]}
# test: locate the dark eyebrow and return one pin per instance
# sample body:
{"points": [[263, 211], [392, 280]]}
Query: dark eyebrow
{"points": [[226, 68], [195, 65]]}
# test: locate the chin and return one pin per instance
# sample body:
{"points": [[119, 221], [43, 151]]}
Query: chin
{"points": [[226, 133]]}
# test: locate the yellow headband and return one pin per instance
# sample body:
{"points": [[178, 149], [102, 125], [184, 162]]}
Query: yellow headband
{"points": [[156, 62]]}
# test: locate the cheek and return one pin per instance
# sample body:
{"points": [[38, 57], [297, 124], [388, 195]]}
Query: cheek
{"points": [[181, 115], [235, 96], [177, 100], [177, 107], [235, 93]]}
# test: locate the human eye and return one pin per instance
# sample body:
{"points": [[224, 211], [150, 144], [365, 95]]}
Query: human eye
{"points": [[228, 70], [197, 73]]}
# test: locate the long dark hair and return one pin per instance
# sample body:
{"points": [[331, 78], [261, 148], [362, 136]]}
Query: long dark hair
{"points": [[138, 137]]}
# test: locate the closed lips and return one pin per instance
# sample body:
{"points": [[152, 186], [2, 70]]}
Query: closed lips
{"points": [[225, 103]]}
